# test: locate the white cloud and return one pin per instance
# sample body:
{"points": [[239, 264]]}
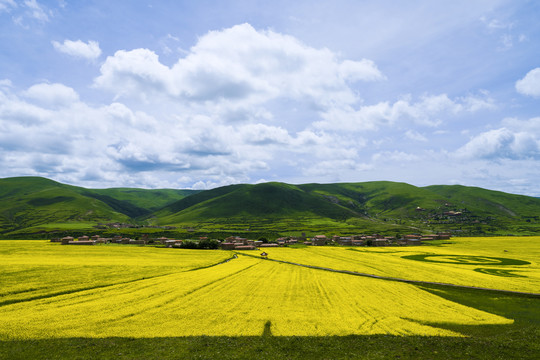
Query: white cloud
{"points": [[428, 111], [496, 24], [52, 94], [36, 11], [261, 134], [335, 169], [363, 70], [416, 136], [530, 84], [134, 73], [6, 83], [79, 48], [394, 156], [531, 125], [239, 64], [243, 104], [502, 143], [7, 5], [47, 131]]}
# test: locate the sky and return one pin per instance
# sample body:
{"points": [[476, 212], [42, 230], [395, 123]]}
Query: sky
{"points": [[200, 94]]}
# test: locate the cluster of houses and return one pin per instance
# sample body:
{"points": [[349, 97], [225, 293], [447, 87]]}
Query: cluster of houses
{"points": [[376, 240], [240, 243], [96, 239]]}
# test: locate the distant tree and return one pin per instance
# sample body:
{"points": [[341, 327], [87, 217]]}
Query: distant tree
{"points": [[263, 239], [208, 244], [189, 245]]}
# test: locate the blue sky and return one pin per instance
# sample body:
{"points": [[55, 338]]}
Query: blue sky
{"points": [[199, 94]]}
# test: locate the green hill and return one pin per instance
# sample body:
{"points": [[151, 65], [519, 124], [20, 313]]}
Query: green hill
{"points": [[373, 206], [32, 204], [488, 202], [137, 202], [37, 204], [378, 198], [27, 202], [269, 200]]}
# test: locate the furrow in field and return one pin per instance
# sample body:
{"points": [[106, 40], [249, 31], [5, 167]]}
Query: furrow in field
{"points": [[464, 263], [32, 270], [243, 297]]}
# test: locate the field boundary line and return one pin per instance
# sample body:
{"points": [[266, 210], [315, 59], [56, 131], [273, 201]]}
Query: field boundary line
{"points": [[67, 292], [73, 291], [211, 265], [388, 278]]}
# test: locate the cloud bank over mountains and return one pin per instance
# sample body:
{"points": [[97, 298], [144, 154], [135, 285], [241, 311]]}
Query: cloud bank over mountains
{"points": [[251, 104]]}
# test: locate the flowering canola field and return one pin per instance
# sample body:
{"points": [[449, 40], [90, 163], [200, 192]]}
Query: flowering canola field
{"points": [[503, 263], [36, 269], [108, 291]]}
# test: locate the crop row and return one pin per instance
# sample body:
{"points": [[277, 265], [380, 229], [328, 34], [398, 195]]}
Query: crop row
{"points": [[244, 296], [512, 263]]}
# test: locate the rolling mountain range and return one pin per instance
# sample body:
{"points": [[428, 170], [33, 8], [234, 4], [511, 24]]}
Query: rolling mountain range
{"points": [[33, 205]]}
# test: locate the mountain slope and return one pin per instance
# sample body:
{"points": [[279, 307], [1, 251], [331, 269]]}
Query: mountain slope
{"points": [[488, 202], [253, 201], [378, 198], [31, 201], [137, 202], [27, 202], [389, 204]]}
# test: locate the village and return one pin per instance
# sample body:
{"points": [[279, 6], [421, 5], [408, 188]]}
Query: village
{"points": [[240, 243]]}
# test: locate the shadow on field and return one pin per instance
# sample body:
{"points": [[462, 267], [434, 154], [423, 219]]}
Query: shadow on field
{"points": [[514, 341], [267, 331]]}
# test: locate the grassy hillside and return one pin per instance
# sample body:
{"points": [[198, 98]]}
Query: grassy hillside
{"points": [[488, 202], [33, 204], [378, 198], [29, 201], [379, 206], [274, 200], [138, 202]]}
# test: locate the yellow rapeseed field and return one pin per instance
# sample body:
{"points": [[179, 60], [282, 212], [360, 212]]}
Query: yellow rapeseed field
{"points": [[245, 296], [33, 269], [504, 263]]}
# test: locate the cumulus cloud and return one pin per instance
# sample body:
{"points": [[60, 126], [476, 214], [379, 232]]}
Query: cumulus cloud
{"points": [[530, 84], [241, 104], [46, 130], [427, 111], [239, 64], [502, 143], [261, 134], [79, 48], [52, 94], [131, 73]]}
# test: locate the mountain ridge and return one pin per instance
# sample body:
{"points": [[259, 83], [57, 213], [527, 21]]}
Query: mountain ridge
{"points": [[35, 204]]}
